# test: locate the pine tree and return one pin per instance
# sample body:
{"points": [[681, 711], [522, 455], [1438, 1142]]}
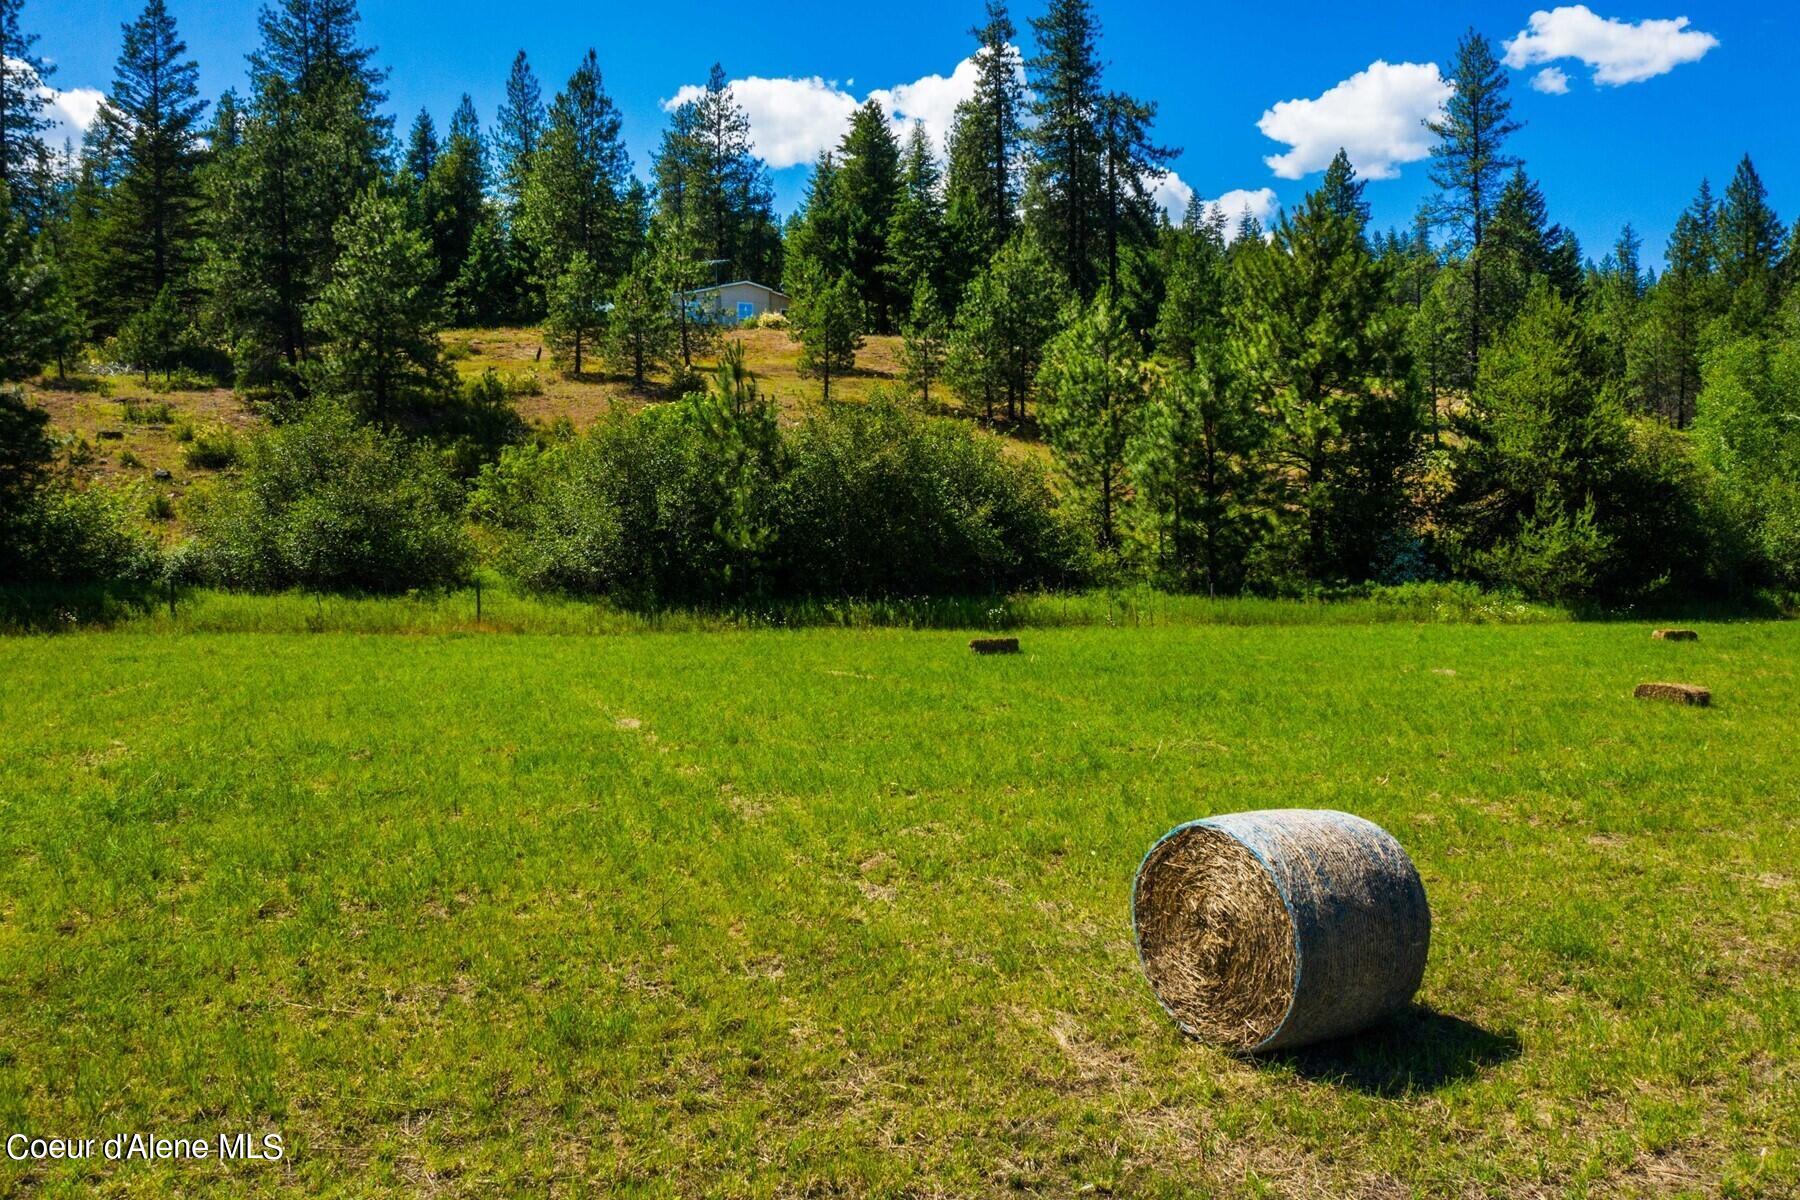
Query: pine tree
{"points": [[1064, 196], [488, 286], [982, 185], [1091, 388], [312, 141], [22, 102], [1470, 161], [820, 242], [683, 270], [868, 189], [1191, 467], [1614, 313], [640, 327], [455, 194], [578, 194], [1011, 310], [927, 337], [709, 178], [575, 313], [24, 284], [916, 241], [150, 220], [1129, 164], [1748, 243], [516, 132], [378, 317], [1190, 323], [828, 320], [421, 151], [1540, 450], [1687, 297], [1321, 349], [1343, 191]]}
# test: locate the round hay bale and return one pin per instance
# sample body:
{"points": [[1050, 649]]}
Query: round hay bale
{"points": [[1674, 635], [998, 645], [1268, 930], [1677, 693]]}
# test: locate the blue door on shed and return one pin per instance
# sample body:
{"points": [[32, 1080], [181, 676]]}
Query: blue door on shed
{"points": [[746, 310]]}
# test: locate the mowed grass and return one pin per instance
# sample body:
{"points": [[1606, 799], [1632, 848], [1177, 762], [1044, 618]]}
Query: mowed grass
{"points": [[845, 912]]}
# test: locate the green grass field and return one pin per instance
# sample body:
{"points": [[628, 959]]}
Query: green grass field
{"points": [[845, 912]]}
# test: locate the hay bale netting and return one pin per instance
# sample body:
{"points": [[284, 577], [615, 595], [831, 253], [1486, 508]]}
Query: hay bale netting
{"points": [[1677, 693], [1674, 635], [1269, 930], [995, 645]]}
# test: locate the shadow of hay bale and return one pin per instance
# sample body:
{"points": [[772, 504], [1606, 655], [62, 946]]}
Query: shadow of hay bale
{"points": [[1417, 1050]]}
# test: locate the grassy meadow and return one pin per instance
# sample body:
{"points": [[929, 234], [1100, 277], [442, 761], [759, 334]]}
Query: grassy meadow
{"points": [[845, 911]]}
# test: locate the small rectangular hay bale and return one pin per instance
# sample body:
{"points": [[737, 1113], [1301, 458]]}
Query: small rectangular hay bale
{"points": [[995, 645], [1674, 635], [1676, 693]]}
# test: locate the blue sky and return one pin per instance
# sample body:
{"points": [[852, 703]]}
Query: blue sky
{"points": [[1638, 105]]}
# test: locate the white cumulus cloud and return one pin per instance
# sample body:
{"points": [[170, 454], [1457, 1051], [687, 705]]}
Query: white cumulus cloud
{"points": [[1619, 52], [1377, 116], [1552, 81], [1258, 202], [70, 111], [793, 120]]}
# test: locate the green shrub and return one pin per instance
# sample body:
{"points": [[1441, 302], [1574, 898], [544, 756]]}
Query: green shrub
{"points": [[128, 458], [214, 447], [704, 500], [330, 504], [880, 501], [77, 535], [148, 412], [160, 507]]}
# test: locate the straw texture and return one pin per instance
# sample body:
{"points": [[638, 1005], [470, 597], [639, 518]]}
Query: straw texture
{"points": [[1268, 930], [1674, 635], [1678, 693]]}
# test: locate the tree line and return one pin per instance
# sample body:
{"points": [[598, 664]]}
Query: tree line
{"points": [[1230, 407]]}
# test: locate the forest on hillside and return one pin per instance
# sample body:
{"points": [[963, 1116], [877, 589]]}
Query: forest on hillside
{"points": [[1299, 409]]}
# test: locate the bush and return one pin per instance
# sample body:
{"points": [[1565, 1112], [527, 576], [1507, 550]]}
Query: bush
{"points": [[879, 501], [214, 447], [650, 508], [330, 504], [704, 501], [148, 412], [68, 535]]}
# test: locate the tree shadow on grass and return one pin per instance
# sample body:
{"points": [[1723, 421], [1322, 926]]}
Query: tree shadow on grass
{"points": [[1418, 1050]]}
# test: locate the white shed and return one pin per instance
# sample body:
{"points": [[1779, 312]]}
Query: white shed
{"points": [[731, 303]]}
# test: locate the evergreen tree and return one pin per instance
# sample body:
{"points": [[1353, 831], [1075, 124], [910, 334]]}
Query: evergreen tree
{"points": [[454, 195], [916, 242], [150, 220], [1129, 218], [575, 312], [1322, 351], [312, 141], [820, 239], [1091, 388], [709, 179], [1540, 449], [24, 284], [1191, 466], [578, 197], [1470, 161], [421, 151], [1190, 323], [1010, 311], [378, 317], [22, 102], [489, 285], [982, 186], [1065, 193], [868, 189], [683, 271], [828, 320], [1748, 242], [516, 132], [927, 337], [640, 328], [1343, 191], [1614, 312], [1679, 307]]}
